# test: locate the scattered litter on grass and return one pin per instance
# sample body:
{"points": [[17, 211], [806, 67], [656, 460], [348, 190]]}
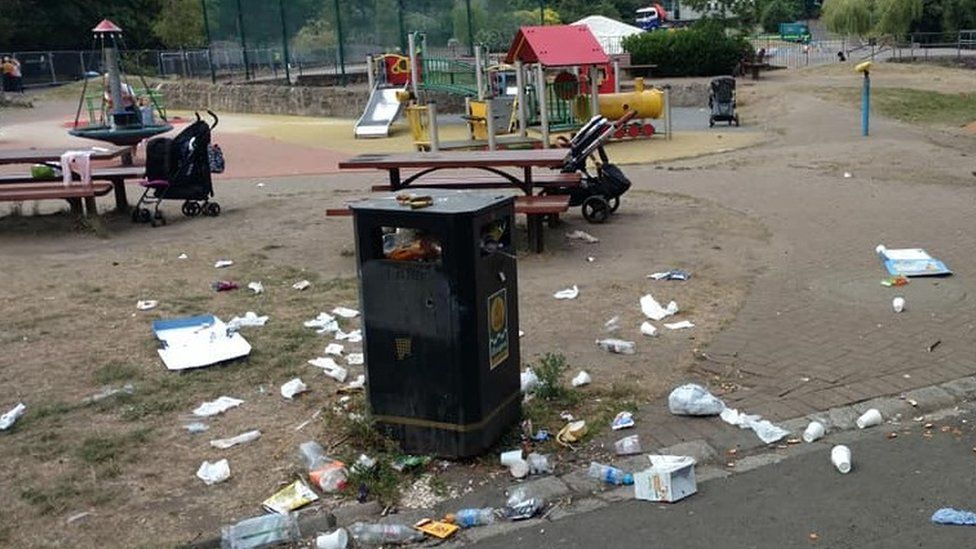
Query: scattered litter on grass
{"points": [[354, 336], [305, 423], [670, 275], [612, 325], [221, 263], [590, 259], [289, 498], [648, 329], [581, 379], [653, 310], [196, 427], [617, 346], [256, 287], [215, 407], [948, 515], [182, 256], [354, 359], [8, 419], [357, 384], [848, 175], [930, 348], [107, 392], [582, 235], [568, 293], [249, 320], [694, 400], [223, 285], [764, 429], [77, 516], [334, 349], [623, 420], [521, 333], [292, 388], [679, 325], [330, 368], [539, 464], [301, 285], [225, 443], [146, 304], [192, 342], [345, 312], [213, 473], [323, 324]]}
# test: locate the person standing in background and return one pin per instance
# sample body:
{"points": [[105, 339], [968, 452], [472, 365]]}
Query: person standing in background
{"points": [[7, 69], [17, 75]]}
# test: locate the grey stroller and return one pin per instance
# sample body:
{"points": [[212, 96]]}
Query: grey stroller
{"points": [[721, 101]]}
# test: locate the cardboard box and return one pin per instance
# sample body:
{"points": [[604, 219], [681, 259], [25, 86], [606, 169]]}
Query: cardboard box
{"points": [[670, 478]]}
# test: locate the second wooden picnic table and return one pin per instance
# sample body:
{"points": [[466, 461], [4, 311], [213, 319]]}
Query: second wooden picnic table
{"points": [[490, 161]]}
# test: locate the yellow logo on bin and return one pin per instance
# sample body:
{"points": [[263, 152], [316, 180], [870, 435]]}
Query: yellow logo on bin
{"points": [[497, 328]]}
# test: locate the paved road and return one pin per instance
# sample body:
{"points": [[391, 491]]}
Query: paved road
{"points": [[885, 502]]}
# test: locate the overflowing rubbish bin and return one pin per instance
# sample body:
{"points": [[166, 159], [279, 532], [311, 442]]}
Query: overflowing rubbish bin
{"points": [[439, 294]]}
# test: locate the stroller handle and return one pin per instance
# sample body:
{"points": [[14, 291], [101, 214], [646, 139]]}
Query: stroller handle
{"points": [[215, 119]]}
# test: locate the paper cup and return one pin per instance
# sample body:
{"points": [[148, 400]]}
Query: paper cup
{"points": [[898, 304], [814, 431], [511, 458], [336, 540], [869, 419], [840, 456], [519, 469]]}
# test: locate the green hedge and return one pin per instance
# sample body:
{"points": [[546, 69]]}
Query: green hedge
{"points": [[701, 50]]}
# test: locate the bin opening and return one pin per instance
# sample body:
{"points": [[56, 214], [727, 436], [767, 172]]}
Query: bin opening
{"points": [[414, 245]]}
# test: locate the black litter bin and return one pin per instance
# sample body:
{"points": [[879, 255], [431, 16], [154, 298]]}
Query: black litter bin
{"points": [[439, 293]]}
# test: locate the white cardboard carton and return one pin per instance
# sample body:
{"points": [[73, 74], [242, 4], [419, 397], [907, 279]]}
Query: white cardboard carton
{"points": [[670, 478]]}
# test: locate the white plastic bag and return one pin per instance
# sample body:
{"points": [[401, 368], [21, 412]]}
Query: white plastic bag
{"points": [[7, 420], [568, 293], [345, 312], [218, 406], [212, 473], [225, 443], [529, 380], [653, 310], [292, 388], [618, 346], [694, 400]]}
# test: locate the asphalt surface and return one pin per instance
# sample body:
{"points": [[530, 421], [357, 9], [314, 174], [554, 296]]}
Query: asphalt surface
{"points": [[886, 501]]}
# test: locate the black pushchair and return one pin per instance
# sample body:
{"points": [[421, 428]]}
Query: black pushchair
{"points": [[597, 195], [180, 169], [721, 101]]}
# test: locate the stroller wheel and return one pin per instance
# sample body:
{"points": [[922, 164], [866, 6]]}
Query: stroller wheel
{"points": [[711, 122], [158, 218], [212, 209], [596, 209], [141, 215], [614, 203], [191, 209]]}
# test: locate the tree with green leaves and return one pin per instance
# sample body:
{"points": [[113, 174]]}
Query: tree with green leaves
{"points": [[848, 17], [179, 24]]}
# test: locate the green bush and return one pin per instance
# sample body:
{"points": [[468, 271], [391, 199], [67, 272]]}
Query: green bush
{"points": [[701, 50]]}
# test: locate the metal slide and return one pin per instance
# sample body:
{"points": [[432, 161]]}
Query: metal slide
{"points": [[382, 109]]}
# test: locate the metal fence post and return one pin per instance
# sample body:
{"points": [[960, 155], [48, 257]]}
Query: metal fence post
{"points": [[50, 64]]}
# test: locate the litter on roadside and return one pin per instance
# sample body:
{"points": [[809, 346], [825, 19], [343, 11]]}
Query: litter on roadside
{"points": [[354, 359], [627, 446], [670, 275], [572, 432], [213, 473], [182, 256], [679, 325], [255, 287], [517, 466], [764, 429], [669, 479], [221, 263], [301, 285], [617, 346], [436, 528], [223, 285], [108, 392], [694, 400], [354, 336], [911, 262], [870, 418], [403, 463], [327, 473], [336, 540], [259, 532], [218, 406], [323, 324], [653, 310], [384, 534], [541, 435], [609, 474], [225, 443], [895, 281], [539, 464], [8, 419], [648, 329], [623, 420], [292, 388], [294, 496], [249, 320], [581, 379], [334, 349], [948, 515], [330, 368], [522, 504], [146, 304], [568, 293], [582, 235], [898, 304], [196, 341], [345, 312], [814, 431], [840, 456]]}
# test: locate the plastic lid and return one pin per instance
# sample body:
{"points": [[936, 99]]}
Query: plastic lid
{"points": [[628, 479]]}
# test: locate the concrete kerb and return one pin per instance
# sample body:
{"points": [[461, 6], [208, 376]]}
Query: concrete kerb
{"points": [[574, 492]]}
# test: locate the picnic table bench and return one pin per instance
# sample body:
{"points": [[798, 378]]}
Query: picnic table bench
{"points": [[12, 187], [536, 208], [540, 178]]}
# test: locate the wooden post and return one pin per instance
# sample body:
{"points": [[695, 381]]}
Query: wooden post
{"points": [[540, 79], [520, 98]]}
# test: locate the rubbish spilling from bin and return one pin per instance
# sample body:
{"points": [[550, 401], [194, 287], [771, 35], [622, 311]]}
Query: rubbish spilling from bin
{"points": [[196, 341], [572, 432], [568, 293], [669, 479], [327, 473], [334, 349], [694, 400], [225, 443], [8, 419], [653, 310], [293, 388], [355, 359], [294, 496], [529, 380], [911, 262], [213, 473], [215, 407], [354, 336], [948, 515]]}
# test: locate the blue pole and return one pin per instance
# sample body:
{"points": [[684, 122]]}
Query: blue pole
{"points": [[866, 104]]}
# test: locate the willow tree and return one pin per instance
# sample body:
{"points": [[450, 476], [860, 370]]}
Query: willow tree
{"points": [[848, 17]]}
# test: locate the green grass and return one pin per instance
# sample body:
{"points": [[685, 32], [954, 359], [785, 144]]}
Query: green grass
{"points": [[107, 452], [116, 371], [915, 106], [53, 499]]}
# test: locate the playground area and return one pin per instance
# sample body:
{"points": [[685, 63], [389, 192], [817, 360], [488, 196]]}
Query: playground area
{"points": [[778, 240]]}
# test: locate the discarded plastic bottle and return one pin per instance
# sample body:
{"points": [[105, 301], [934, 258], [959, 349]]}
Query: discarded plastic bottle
{"points": [[609, 474], [378, 534], [325, 472], [466, 518]]}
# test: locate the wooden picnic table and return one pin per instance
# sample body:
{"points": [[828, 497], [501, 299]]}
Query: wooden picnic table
{"points": [[41, 155], [490, 161]]}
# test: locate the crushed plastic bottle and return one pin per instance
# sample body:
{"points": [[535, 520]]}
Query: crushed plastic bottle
{"points": [[609, 474], [258, 532], [618, 346], [379, 534], [325, 472], [466, 518]]}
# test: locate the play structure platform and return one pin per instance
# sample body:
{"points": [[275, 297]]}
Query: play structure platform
{"points": [[382, 109]]}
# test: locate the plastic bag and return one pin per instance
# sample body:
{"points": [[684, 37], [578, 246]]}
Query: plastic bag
{"points": [[694, 400]]}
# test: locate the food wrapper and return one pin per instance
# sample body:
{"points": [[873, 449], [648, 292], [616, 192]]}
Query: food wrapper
{"points": [[289, 498], [436, 528]]}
